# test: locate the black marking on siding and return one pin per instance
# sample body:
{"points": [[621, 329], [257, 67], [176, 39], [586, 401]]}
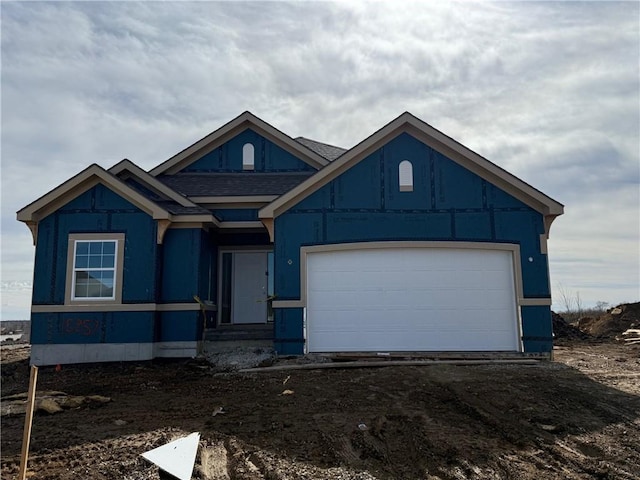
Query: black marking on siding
{"points": [[492, 220], [324, 225], [453, 222], [382, 178], [332, 195], [432, 178], [54, 267], [484, 193], [103, 327]]}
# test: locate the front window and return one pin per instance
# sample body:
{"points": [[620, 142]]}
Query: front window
{"points": [[94, 268]]}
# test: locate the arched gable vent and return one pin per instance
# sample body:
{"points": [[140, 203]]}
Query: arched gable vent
{"points": [[405, 174]]}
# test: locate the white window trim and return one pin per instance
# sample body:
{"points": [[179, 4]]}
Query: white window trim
{"points": [[74, 238], [248, 157], [405, 176]]}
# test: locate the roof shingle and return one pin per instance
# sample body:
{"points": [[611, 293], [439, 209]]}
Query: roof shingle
{"points": [[233, 184], [330, 152]]}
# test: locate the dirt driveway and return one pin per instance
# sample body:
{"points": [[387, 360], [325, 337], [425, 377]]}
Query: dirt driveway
{"points": [[575, 418]]}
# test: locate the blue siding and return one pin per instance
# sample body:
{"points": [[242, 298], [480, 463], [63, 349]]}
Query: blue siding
{"points": [[448, 203], [183, 326], [268, 157], [537, 334], [184, 266], [181, 265], [208, 264], [92, 327], [45, 281], [97, 210], [288, 331]]}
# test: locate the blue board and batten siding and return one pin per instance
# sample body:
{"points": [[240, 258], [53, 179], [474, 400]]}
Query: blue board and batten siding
{"points": [[152, 274], [268, 157], [448, 203]]}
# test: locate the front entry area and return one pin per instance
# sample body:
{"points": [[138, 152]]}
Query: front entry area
{"points": [[246, 284]]}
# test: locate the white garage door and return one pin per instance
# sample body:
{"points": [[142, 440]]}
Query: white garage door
{"points": [[411, 299]]}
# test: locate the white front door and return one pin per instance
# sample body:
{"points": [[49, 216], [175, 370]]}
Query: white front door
{"points": [[249, 287]]}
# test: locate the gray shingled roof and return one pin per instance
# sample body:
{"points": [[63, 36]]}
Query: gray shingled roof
{"points": [[330, 152], [177, 209], [233, 184]]}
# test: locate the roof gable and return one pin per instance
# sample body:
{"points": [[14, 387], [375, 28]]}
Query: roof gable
{"points": [[407, 123], [77, 185], [127, 167], [227, 132]]}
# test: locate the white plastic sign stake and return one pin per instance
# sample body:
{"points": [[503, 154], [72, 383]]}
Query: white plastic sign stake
{"points": [[176, 458]]}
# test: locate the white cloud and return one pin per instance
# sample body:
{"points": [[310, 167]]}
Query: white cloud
{"points": [[548, 91]]}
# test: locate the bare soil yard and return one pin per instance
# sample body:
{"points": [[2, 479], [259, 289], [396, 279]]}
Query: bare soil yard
{"points": [[577, 417]]}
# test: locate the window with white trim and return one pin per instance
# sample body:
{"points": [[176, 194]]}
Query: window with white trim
{"points": [[95, 267], [405, 174], [248, 160]]}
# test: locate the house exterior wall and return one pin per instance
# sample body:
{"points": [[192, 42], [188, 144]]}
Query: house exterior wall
{"points": [[448, 203], [98, 210], [268, 157], [153, 276]]}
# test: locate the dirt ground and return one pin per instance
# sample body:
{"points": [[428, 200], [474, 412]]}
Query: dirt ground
{"points": [[577, 417]]}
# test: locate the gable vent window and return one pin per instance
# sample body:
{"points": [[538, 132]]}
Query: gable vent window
{"points": [[248, 162], [405, 172]]}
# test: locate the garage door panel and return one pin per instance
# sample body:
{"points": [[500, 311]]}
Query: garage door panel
{"points": [[384, 341], [430, 299]]}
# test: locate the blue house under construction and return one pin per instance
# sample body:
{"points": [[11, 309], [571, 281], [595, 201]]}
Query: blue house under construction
{"points": [[407, 242]]}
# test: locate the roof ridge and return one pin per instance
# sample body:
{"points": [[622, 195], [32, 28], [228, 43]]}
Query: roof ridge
{"points": [[321, 143]]}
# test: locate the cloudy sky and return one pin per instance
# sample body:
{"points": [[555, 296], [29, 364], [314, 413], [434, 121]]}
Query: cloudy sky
{"points": [[548, 91]]}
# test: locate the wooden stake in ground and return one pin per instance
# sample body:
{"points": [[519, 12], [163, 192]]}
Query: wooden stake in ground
{"points": [[28, 420]]}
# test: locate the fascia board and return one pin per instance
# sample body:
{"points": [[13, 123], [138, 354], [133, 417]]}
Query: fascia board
{"points": [[435, 139], [227, 132], [150, 181], [79, 184], [482, 167], [199, 218]]}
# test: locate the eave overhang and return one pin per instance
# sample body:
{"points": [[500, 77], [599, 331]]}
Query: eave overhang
{"points": [[126, 168], [87, 179]]}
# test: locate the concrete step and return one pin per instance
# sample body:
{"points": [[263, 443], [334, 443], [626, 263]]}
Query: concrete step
{"points": [[225, 333]]}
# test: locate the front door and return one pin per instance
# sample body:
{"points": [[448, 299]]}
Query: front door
{"points": [[250, 286]]}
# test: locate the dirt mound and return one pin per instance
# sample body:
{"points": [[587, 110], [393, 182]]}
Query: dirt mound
{"points": [[564, 330], [613, 323]]}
